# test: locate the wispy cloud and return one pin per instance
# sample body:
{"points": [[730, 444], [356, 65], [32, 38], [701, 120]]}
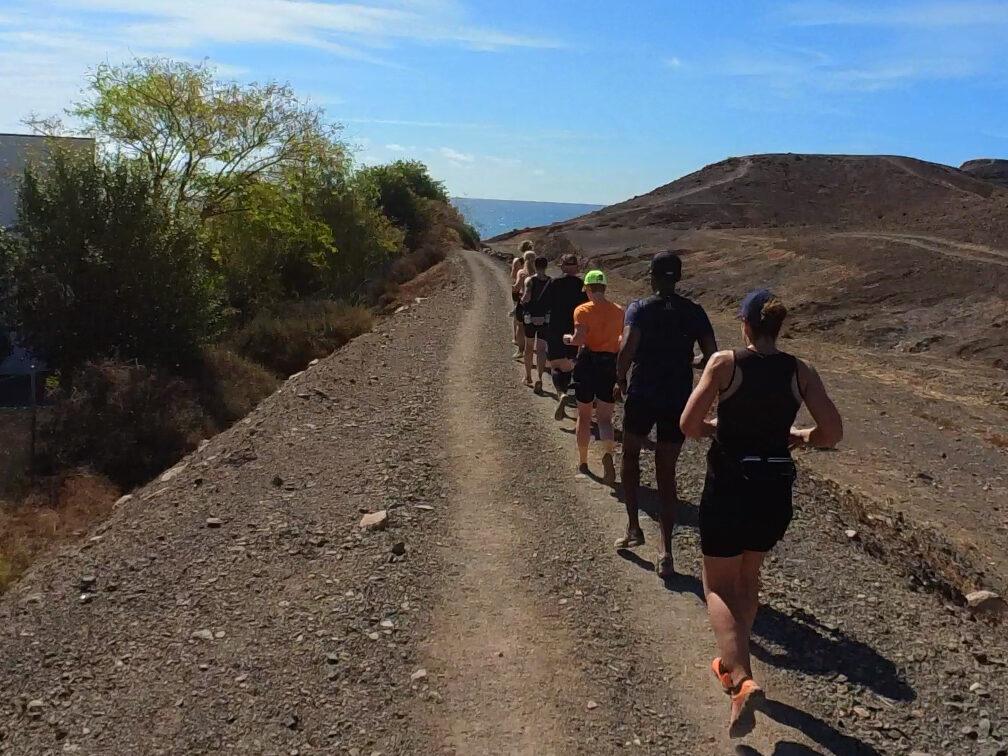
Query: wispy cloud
{"points": [[455, 156], [340, 28], [805, 71], [673, 62], [935, 15], [47, 46]]}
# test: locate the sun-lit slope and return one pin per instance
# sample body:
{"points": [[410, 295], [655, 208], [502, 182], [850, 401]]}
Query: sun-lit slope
{"points": [[876, 250]]}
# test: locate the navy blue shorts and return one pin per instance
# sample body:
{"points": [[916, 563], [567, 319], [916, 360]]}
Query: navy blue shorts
{"points": [[640, 416]]}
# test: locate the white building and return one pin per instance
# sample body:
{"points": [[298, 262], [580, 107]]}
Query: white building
{"points": [[16, 151]]}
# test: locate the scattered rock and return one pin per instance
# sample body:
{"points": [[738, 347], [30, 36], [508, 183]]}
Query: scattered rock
{"points": [[205, 635], [398, 548], [34, 708], [591, 705], [214, 522], [174, 472], [987, 602], [87, 583], [420, 674], [122, 500], [851, 534], [374, 520]]}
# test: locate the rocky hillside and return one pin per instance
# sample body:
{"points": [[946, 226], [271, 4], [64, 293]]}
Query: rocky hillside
{"points": [[874, 250], [989, 169]]}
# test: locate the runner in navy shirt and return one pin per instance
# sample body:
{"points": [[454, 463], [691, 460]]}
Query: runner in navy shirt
{"points": [[657, 352]]}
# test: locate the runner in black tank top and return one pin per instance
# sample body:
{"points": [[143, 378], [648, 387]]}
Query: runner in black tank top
{"points": [[536, 322], [746, 504]]}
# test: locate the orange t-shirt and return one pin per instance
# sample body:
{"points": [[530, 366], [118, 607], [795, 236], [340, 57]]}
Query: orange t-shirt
{"points": [[603, 324]]}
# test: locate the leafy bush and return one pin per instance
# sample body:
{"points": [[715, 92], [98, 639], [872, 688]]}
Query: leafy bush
{"points": [[288, 338], [127, 422], [10, 251], [107, 270], [364, 238]]}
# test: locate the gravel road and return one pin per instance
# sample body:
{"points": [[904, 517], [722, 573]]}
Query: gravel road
{"points": [[237, 603]]}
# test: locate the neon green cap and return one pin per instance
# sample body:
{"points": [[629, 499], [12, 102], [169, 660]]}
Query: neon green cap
{"points": [[595, 277]]}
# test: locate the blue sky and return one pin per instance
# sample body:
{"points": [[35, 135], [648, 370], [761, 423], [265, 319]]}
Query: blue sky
{"points": [[585, 101]]}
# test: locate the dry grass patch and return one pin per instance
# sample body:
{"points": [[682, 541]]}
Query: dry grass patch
{"points": [[50, 514]]}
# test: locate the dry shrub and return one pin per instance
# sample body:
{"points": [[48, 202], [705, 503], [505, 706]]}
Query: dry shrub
{"points": [[230, 386], [127, 422], [50, 514], [287, 339]]}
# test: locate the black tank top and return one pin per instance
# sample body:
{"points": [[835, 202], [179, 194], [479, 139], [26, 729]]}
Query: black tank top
{"points": [[757, 418], [536, 305]]}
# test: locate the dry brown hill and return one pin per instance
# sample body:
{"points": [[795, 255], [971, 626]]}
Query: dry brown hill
{"points": [[876, 250], [989, 169]]}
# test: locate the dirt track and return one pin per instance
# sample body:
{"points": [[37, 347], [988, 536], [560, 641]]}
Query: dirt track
{"points": [[284, 628]]}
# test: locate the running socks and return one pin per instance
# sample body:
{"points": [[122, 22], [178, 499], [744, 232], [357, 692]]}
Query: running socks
{"points": [[561, 381]]}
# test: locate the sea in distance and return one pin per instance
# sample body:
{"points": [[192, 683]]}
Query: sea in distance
{"points": [[492, 217]]}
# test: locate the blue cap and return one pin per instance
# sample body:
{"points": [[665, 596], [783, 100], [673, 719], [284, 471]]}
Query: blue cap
{"points": [[751, 309]]}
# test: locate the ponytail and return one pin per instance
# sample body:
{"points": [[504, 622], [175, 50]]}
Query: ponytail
{"points": [[771, 318]]}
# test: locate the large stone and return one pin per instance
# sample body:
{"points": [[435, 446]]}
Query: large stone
{"points": [[987, 602], [374, 520]]}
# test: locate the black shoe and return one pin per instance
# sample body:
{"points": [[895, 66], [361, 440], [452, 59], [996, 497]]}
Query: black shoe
{"points": [[561, 410]]}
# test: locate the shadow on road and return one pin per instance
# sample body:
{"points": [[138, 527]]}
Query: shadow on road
{"points": [[687, 515], [800, 642], [816, 730]]}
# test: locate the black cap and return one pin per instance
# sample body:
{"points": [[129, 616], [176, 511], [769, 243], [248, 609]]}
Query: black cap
{"points": [[751, 309], [666, 265], [542, 262]]}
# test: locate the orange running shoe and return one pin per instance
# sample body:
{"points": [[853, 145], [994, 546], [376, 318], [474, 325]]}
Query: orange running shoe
{"points": [[746, 699], [722, 677]]}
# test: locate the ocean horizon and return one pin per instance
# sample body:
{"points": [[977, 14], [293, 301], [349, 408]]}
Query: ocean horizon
{"points": [[492, 217]]}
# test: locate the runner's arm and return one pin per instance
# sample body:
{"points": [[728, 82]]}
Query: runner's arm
{"points": [[526, 290], [828, 429], [716, 374], [628, 350], [708, 346], [578, 338]]}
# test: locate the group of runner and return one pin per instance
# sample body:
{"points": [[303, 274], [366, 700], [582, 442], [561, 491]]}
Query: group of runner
{"points": [[591, 348]]}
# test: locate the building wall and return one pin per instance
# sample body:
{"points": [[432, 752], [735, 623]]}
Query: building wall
{"points": [[16, 150]]}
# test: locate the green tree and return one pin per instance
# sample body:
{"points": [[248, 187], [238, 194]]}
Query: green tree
{"points": [[276, 248], [108, 268], [203, 140], [405, 192]]}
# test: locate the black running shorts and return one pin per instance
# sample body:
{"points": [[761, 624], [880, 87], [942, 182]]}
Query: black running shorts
{"points": [[595, 378], [641, 415], [536, 331], [557, 350], [741, 513]]}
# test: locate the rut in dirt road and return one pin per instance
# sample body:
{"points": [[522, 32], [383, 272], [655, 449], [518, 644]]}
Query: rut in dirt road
{"points": [[506, 663]]}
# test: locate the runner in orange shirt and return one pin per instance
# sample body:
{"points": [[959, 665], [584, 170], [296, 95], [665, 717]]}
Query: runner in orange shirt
{"points": [[598, 327]]}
